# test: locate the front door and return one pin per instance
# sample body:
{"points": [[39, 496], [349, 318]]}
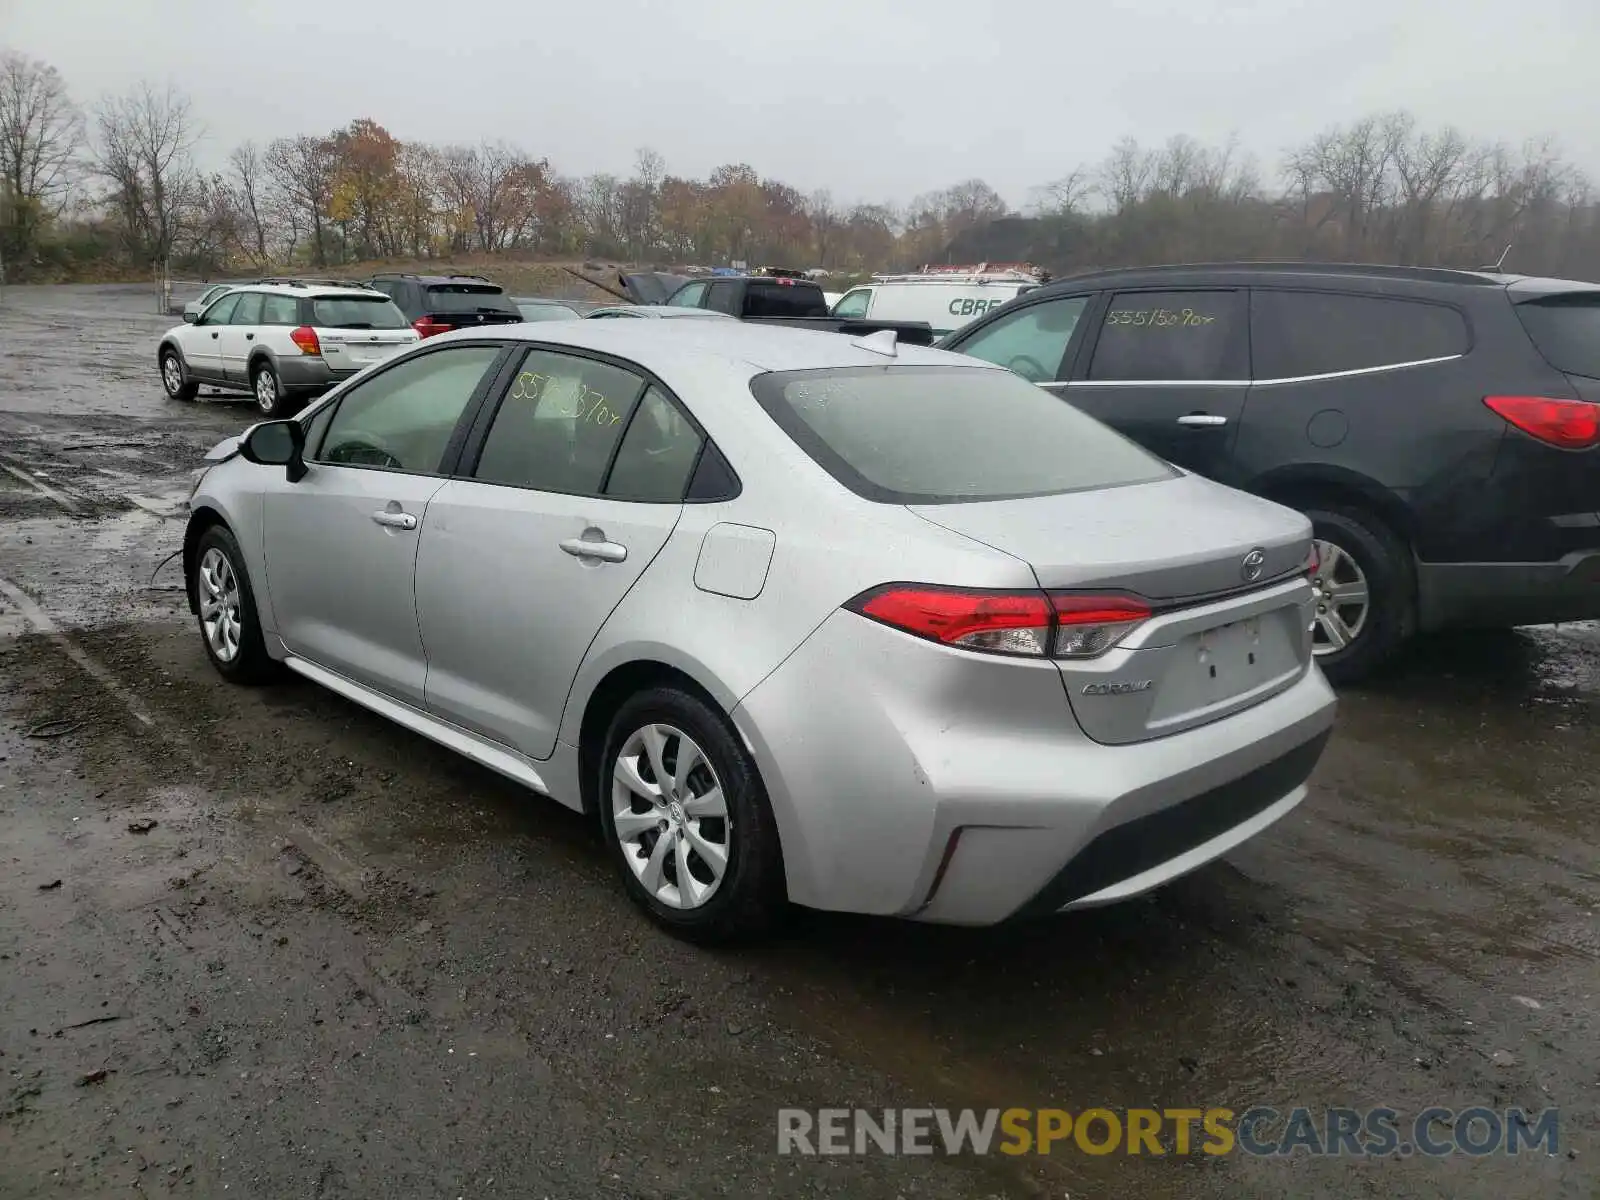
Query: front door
{"points": [[578, 485], [202, 341], [341, 543], [1170, 370]]}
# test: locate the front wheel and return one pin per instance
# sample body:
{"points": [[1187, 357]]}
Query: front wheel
{"points": [[1363, 593], [685, 815], [174, 379], [229, 626]]}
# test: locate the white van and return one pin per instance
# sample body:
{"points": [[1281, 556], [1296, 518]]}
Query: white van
{"points": [[946, 297]]}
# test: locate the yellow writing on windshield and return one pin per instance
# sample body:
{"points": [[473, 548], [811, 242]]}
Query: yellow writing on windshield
{"points": [[1159, 318]]}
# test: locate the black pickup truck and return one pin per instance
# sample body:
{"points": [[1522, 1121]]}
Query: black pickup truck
{"points": [[770, 299]]}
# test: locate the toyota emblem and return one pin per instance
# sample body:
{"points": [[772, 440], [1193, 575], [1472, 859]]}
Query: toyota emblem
{"points": [[1253, 564]]}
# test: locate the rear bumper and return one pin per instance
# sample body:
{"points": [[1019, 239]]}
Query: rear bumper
{"points": [[1500, 595], [911, 780], [308, 372]]}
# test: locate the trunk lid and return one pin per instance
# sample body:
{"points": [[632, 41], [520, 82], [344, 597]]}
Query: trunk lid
{"points": [[1223, 575], [348, 350]]}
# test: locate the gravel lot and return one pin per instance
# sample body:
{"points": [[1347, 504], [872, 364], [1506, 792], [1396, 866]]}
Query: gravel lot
{"points": [[344, 963]]}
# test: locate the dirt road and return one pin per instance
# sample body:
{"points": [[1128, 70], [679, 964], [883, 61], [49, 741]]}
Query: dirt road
{"points": [[262, 944]]}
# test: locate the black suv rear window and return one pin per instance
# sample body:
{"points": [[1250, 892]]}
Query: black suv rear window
{"points": [[1296, 334], [1566, 330], [764, 298], [937, 435], [468, 298]]}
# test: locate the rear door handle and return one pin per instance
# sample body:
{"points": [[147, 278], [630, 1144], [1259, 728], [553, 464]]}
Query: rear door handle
{"points": [[395, 520], [1203, 420], [604, 551]]}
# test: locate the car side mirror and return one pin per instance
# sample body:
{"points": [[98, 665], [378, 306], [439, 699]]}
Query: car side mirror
{"points": [[277, 443], [191, 318]]}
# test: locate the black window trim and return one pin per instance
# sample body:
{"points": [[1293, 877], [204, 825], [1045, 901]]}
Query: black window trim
{"points": [[471, 450], [1355, 372], [452, 447]]}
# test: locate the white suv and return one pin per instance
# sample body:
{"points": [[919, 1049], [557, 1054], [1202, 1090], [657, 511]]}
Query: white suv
{"points": [[281, 341]]}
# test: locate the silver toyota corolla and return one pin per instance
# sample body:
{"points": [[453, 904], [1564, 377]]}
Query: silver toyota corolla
{"points": [[797, 616]]}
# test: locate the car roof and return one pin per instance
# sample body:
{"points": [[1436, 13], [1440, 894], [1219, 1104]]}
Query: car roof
{"points": [[437, 278], [316, 291], [763, 347], [656, 310], [1359, 274]]}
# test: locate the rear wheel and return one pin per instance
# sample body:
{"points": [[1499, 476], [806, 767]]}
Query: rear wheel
{"points": [[268, 390], [175, 379], [1363, 592], [684, 813]]}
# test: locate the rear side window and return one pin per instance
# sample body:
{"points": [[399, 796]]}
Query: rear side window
{"points": [[933, 435], [356, 312], [468, 298], [280, 310], [771, 298], [723, 298], [1295, 334], [1171, 337], [657, 454], [1566, 330]]}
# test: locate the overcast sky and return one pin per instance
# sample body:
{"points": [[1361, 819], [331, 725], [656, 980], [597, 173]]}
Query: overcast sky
{"points": [[874, 99]]}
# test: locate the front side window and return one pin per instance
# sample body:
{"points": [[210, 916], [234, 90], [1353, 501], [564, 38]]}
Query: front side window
{"points": [[558, 425], [1171, 337], [853, 304], [1031, 341], [248, 310], [932, 435], [356, 312], [221, 312], [657, 454], [402, 418], [1296, 334], [688, 296]]}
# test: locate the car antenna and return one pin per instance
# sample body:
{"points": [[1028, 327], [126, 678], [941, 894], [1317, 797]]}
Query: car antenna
{"points": [[881, 342], [1497, 267]]}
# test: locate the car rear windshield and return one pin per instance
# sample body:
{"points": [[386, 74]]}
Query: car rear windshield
{"points": [[939, 435], [468, 298], [356, 312], [1566, 329], [774, 299]]}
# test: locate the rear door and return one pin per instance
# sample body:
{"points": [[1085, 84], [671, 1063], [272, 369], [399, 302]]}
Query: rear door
{"points": [[576, 486], [1171, 370], [239, 336]]}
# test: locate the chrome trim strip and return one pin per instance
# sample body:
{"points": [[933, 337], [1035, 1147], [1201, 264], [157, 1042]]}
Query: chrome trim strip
{"points": [[1232, 383], [1421, 362]]}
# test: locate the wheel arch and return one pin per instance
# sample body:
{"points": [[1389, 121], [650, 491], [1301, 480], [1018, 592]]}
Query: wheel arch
{"points": [[169, 343], [259, 355], [201, 518], [1303, 486]]}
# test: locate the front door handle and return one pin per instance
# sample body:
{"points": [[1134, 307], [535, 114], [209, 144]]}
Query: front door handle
{"points": [[1202, 420], [604, 551], [395, 520], [249, 337], [213, 335]]}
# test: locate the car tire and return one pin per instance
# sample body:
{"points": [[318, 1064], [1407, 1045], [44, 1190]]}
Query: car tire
{"points": [[267, 388], [1364, 551], [230, 628], [175, 377], [748, 895]]}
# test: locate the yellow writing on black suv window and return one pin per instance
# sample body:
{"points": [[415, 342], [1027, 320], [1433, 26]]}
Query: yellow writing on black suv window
{"points": [[1159, 318]]}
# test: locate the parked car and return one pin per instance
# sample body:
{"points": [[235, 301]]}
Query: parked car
{"points": [[651, 311], [281, 342], [784, 300], [1438, 427], [437, 304], [793, 615], [534, 309], [206, 298], [946, 297]]}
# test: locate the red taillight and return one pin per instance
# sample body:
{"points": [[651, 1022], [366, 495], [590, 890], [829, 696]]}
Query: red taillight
{"points": [[427, 326], [1065, 625], [306, 338], [1569, 424]]}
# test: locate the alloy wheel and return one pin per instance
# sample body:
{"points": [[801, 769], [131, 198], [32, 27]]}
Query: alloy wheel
{"points": [[266, 390], [670, 816], [1343, 600], [220, 605], [172, 374]]}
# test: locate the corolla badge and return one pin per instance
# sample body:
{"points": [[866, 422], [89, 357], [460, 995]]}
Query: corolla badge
{"points": [[1117, 688], [1254, 563]]}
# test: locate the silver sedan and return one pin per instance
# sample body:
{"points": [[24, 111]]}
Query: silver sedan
{"points": [[797, 617]]}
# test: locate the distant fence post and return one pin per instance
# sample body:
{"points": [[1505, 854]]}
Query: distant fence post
{"points": [[163, 282]]}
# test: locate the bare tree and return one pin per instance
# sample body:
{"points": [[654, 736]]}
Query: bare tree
{"points": [[247, 181], [41, 133], [1066, 196], [305, 169], [142, 151], [826, 219]]}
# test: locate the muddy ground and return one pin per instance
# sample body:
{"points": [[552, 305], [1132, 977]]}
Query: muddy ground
{"points": [[344, 963]]}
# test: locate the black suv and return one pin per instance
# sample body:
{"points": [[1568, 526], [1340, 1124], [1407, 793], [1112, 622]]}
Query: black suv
{"points": [[1438, 427], [439, 303]]}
